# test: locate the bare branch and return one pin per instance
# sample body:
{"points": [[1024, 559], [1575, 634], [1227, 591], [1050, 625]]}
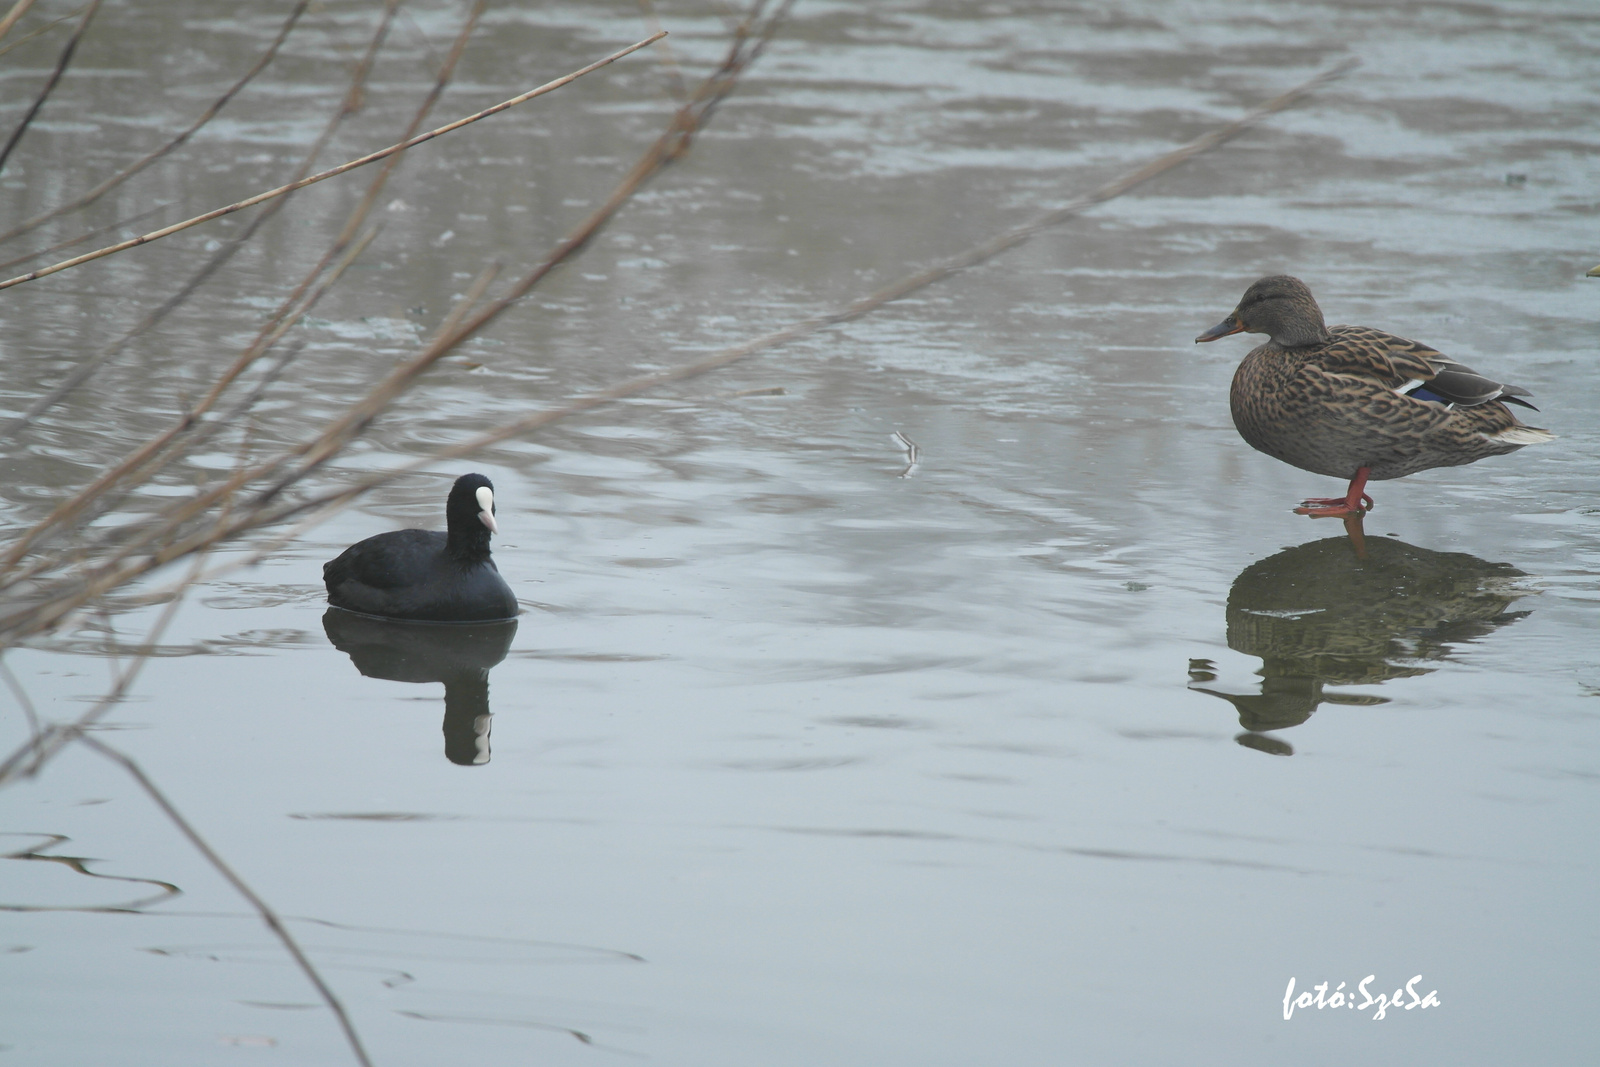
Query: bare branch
{"points": [[37, 31], [343, 168], [18, 9], [220, 258], [177, 142], [257, 513], [262, 908], [23, 701], [50, 84]]}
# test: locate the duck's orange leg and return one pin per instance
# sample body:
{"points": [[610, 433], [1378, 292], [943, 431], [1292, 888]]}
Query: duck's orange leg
{"points": [[1354, 502]]}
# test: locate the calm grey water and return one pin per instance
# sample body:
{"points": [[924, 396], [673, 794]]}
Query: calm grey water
{"points": [[1071, 744]]}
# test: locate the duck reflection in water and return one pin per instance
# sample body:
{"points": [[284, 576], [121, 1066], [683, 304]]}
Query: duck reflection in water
{"points": [[1351, 610], [457, 654]]}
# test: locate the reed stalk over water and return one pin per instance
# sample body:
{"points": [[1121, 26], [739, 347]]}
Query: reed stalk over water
{"points": [[62, 63], [172, 145], [64, 565]]}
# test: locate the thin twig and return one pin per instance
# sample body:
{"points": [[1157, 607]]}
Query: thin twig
{"points": [[468, 301], [669, 58], [290, 310], [440, 82], [355, 97], [27, 760], [255, 516], [23, 702], [18, 9], [669, 147], [36, 31], [259, 198], [121, 567], [141, 456], [177, 142], [50, 84], [61, 246], [220, 258], [263, 909], [894, 291], [296, 305]]}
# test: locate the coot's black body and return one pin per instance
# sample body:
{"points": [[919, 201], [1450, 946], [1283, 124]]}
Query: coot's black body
{"points": [[425, 575]]}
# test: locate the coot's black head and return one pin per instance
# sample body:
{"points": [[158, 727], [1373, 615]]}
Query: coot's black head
{"points": [[469, 515], [1280, 307]]}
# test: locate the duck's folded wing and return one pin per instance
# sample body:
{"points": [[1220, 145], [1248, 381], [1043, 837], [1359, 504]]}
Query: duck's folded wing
{"points": [[1460, 384], [386, 561], [1410, 367]]}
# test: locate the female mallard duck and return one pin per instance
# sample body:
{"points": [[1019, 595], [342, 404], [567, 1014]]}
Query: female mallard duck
{"points": [[1354, 402]]}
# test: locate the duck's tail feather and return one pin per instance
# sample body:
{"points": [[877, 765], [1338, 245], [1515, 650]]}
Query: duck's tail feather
{"points": [[1521, 435]]}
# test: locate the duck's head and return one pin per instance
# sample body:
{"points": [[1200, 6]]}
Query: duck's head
{"points": [[1280, 307], [471, 502]]}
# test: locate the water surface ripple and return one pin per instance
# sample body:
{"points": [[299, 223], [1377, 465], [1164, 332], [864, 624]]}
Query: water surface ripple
{"points": [[1066, 742]]}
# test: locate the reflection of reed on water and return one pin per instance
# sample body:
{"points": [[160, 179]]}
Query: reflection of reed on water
{"points": [[459, 655], [1352, 611]]}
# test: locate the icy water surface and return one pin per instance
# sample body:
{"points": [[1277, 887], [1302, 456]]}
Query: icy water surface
{"points": [[1065, 743]]}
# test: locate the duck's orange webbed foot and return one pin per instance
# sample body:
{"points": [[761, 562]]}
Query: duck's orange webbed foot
{"points": [[1354, 502], [1333, 508]]}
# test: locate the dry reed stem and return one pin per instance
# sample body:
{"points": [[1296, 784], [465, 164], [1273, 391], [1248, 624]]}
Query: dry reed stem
{"points": [[894, 291], [270, 332], [468, 301], [669, 59], [61, 246], [292, 308], [355, 98], [39, 31], [18, 9], [263, 909], [670, 146], [218, 260], [177, 142], [29, 759], [118, 570], [344, 168], [142, 464], [138, 460], [254, 515], [23, 702], [50, 84], [441, 81]]}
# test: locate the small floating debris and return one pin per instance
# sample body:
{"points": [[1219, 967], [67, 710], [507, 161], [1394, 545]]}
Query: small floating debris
{"points": [[910, 448]]}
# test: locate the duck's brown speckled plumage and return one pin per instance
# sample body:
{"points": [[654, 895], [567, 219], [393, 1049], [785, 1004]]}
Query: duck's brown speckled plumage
{"points": [[1336, 400], [1333, 408]]}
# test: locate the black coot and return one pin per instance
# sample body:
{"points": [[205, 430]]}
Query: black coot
{"points": [[425, 575]]}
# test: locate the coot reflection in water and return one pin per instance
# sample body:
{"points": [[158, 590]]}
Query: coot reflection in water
{"points": [[457, 654], [1351, 610]]}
